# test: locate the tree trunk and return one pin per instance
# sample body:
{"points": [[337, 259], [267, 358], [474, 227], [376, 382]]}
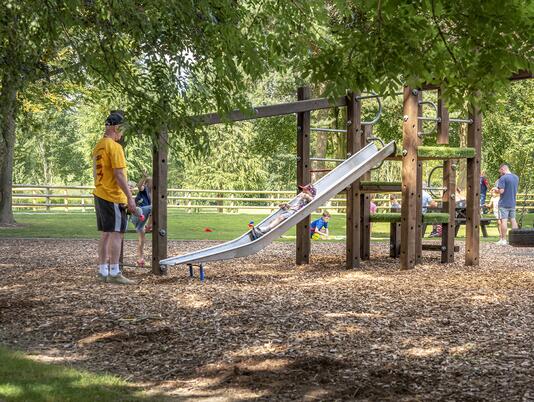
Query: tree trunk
{"points": [[8, 110]]}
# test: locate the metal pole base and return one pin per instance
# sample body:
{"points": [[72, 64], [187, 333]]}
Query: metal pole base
{"points": [[200, 271]]}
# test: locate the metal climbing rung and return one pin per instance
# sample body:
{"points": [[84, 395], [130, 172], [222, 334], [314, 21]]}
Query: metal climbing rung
{"points": [[429, 118], [328, 130], [320, 170], [327, 160], [468, 121]]}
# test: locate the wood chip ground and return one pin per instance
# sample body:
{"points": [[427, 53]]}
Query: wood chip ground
{"points": [[264, 328]]}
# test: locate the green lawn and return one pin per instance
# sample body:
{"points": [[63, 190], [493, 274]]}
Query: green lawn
{"points": [[181, 226], [23, 379]]}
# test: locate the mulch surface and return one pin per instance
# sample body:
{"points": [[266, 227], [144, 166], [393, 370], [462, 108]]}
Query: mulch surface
{"points": [[263, 328]]}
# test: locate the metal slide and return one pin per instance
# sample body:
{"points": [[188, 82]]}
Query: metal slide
{"points": [[327, 187]]}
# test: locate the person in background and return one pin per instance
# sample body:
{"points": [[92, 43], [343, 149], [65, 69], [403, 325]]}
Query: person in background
{"points": [[394, 204], [372, 205], [144, 197], [428, 202], [460, 198], [320, 226], [484, 185], [139, 224], [494, 205], [507, 186]]}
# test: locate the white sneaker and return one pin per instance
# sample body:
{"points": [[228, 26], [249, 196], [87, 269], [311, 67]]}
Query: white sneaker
{"points": [[504, 242], [121, 280]]}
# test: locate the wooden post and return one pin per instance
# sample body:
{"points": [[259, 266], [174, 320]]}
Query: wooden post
{"points": [[394, 239], [47, 199], [409, 179], [472, 223], [34, 200], [419, 187], [66, 200], [159, 201], [449, 182], [443, 124], [303, 175], [354, 207], [365, 222]]}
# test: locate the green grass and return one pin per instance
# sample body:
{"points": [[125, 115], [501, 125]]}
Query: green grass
{"points": [[181, 226], [23, 379]]}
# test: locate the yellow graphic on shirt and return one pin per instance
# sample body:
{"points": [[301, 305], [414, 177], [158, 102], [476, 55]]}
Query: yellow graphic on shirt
{"points": [[108, 155]]}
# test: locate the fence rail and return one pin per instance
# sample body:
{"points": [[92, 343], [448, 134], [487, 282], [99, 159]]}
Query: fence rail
{"points": [[80, 198]]}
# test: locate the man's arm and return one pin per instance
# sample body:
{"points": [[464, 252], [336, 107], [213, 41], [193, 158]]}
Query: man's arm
{"points": [[501, 184], [94, 168], [123, 184]]}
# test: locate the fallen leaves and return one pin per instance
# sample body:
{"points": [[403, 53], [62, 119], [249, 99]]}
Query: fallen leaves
{"points": [[262, 327]]}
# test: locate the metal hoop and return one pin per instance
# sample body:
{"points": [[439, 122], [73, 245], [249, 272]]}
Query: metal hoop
{"points": [[372, 138], [430, 180], [437, 119], [372, 95]]}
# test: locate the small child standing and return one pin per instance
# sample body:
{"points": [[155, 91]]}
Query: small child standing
{"points": [[373, 208], [494, 205], [320, 226], [394, 204]]}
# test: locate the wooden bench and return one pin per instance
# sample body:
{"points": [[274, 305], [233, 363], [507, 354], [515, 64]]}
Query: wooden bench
{"points": [[484, 222], [461, 217], [394, 219]]}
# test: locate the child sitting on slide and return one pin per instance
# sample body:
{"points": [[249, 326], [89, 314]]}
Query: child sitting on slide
{"points": [[305, 197]]}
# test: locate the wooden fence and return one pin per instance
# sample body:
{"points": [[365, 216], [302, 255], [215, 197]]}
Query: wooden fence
{"points": [[80, 198]]}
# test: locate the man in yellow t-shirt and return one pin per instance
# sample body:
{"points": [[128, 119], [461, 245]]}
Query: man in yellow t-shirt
{"points": [[112, 198]]}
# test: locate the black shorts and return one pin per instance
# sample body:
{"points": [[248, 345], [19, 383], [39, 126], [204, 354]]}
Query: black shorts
{"points": [[110, 216]]}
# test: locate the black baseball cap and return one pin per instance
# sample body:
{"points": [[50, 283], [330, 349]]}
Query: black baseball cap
{"points": [[115, 118]]}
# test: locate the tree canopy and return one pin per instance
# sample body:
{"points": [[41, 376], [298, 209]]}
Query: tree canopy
{"points": [[163, 61]]}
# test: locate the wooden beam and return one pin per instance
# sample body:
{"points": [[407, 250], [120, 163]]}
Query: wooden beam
{"points": [[443, 124], [439, 247], [300, 106], [380, 188], [449, 182], [521, 75], [394, 239], [409, 179], [419, 187], [159, 200], [472, 224], [354, 138], [365, 200], [303, 175]]}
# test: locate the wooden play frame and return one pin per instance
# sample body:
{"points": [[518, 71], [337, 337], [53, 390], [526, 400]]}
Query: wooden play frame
{"points": [[357, 212]]}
